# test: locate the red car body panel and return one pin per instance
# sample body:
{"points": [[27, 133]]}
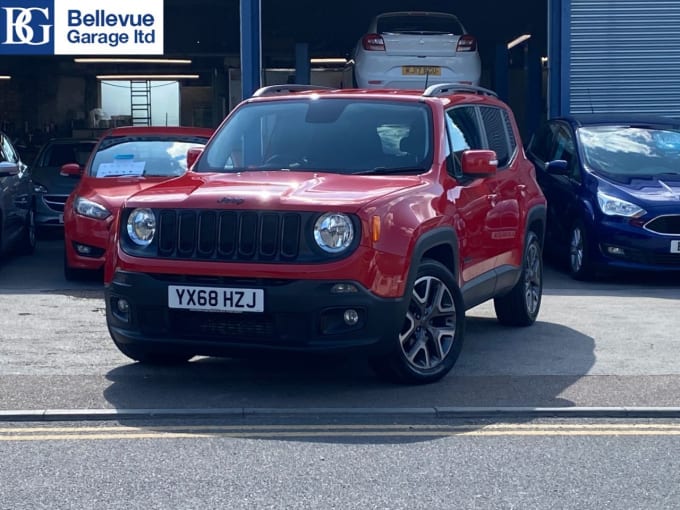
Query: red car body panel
{"points": [[109, 192]]}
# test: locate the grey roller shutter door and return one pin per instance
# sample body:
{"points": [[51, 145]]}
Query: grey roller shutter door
{"points": [[625, 56]]}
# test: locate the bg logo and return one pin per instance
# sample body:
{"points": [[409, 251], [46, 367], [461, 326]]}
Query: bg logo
{"points": [[26, 29]]}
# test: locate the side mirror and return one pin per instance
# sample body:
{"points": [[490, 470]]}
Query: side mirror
{"points": [[7, 169], [479, 162], [557, 167], [71, 170], [192, 156]]}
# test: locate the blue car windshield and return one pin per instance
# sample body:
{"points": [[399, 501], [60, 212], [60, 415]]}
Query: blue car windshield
{"points": [[323, 135], [627, 152]]}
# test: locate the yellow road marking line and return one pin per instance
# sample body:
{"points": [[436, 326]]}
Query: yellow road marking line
{"points": [[317, 431], [350, 427]]}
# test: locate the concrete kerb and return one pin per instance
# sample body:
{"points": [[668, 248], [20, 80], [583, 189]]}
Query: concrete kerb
{"points": [[509, 413]]}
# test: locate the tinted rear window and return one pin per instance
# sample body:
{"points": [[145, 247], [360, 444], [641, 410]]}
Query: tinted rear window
{"points": [[419, 24]]}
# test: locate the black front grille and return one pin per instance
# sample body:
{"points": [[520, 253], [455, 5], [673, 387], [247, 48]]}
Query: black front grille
{"points": [[229, 235], [669, 224], [55, 202], [235, 236]]}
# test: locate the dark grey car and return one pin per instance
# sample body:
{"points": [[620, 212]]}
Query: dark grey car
{"points": [[17, 203], [51, 188]]}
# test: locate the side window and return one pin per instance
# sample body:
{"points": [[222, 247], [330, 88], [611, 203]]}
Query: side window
{"points": [[564, 148], [8, 152], [510, 133], [468, 132], [496, 134], [464, 133], [541, 143], [3, 158]]}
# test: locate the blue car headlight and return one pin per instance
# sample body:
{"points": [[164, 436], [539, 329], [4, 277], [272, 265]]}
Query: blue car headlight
{"points": [[613, 206]]}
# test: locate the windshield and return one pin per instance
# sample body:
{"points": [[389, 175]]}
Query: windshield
{"points": [[428, 23], [58, 154], [143, 156], [624, 152], [326, 135]]}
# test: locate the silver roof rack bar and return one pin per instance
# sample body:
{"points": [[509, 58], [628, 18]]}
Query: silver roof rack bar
{"points": [[272, 90], [442, 88]]}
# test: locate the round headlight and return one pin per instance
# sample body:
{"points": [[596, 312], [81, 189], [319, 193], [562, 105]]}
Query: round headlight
{"points": [[141, 226], [334, 232]]}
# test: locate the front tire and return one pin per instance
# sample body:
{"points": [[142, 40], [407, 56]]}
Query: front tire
{"points": [[431, 336], [73, 274], [521, 305], [580, 263], [28, 237]]}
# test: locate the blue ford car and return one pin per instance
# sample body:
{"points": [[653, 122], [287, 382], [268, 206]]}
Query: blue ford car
{"points": [[613, 188]]}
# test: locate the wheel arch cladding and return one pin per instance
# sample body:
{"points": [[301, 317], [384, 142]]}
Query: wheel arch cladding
{"points": [[440, 244]]}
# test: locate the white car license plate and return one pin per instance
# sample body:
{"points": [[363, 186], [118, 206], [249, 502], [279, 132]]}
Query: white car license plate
{"points": [[215, 299], [421, 70], [61, 218], [675, 246]]}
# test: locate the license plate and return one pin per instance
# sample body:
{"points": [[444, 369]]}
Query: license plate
{"points": [[675, 246], [215, 299], [421, 70], [61, 218]]}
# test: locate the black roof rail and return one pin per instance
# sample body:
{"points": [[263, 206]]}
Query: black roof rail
{"points": [[272, 90], [443, 88]]}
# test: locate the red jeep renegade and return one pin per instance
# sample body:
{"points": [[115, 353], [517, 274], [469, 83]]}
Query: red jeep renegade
{"points": [[327, 220]]}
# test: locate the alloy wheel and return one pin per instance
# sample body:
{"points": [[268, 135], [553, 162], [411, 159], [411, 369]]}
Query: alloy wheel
{"points": [[576, 250], [533, 279], [429, 330]]}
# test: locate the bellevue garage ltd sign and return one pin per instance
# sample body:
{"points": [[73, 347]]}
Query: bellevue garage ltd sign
{"points": [[81, 27]]}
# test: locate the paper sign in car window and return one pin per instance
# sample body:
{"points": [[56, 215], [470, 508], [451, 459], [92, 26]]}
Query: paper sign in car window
{"points": [[122, 166]]}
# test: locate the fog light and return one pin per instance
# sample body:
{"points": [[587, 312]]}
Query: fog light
{"points": [[351, 317], [344, 288], [83, 249], [615, 250], [123, 306]]}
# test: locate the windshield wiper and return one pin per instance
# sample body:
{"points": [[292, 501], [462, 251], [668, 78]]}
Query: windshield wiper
{"points": [[383, 170]]}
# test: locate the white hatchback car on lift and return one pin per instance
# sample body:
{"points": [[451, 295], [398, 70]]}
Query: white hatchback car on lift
{"points": [[412, 50]]}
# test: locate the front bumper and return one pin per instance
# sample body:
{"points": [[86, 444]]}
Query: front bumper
{"points": [[49, 211], [299, 315], [621, 245]]}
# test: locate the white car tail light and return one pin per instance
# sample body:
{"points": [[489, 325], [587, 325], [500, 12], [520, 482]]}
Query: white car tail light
{"points": [[467, 43], [373, 42]]}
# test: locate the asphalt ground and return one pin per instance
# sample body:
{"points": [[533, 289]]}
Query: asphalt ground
{"points": [[608, 345]]}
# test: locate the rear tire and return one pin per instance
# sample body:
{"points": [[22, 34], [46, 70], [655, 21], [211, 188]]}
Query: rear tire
{"points": [[431, 337], [521, 305]]}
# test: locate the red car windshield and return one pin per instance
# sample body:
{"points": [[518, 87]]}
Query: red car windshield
{"points": [[325, 135], [143, 156]]}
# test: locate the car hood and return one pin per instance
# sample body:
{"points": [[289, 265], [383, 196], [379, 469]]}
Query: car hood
{"points": [[112, 191], [272, 190], [54, 182], [658, 190]]}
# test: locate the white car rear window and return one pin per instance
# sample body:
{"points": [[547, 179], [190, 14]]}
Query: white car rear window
{"points": [[419, 24]]}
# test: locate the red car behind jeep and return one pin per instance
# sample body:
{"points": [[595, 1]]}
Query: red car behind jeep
{"points": [[329, 220]]}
